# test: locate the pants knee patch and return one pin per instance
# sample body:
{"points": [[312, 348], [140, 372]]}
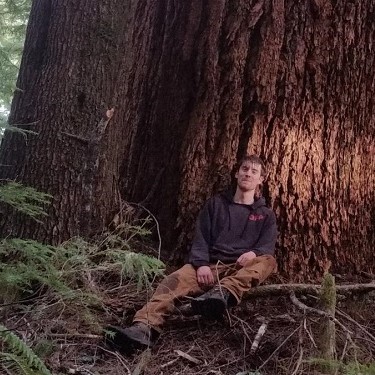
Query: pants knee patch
{"points": [[169, 284]]}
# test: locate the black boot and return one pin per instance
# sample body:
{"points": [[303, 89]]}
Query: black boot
{"points": [[137, 336], [213, 304]]}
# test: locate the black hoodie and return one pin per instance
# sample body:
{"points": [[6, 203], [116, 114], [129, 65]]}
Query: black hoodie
{"points": [[225, 230]]}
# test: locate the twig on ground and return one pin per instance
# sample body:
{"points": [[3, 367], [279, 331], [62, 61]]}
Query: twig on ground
{"points": [[145, 358], [348, 338], [347, 317], [80, 370], [118, 356], [74, 335], [171, 362], [258, 337], [309, 333], [299, 361], [305, 308], [350, 319], [277, 349], [283, 289], [368, 275], [300, 342], [188, 357], [243, 323]]}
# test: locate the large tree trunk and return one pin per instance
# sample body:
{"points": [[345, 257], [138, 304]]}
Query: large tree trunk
{"points": [[204, 82], [291, 81], [70, 75]]}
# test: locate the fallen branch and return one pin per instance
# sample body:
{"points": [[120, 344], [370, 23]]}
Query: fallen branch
{"points": [[363, 329], [277, 349], [285, 289], [305, 308], [75, 335], [119, 358], [171, 362], [258, 337], [187, 356]]}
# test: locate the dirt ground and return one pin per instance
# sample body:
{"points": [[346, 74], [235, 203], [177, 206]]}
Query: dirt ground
{"points": [[70, 340]]}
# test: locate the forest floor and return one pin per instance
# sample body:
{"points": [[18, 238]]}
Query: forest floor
{"points": [[68, 336]]}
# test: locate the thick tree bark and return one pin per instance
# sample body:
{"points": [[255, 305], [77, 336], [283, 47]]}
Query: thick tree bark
{"points": [[196, 84], [70, 75], [291, 81]]}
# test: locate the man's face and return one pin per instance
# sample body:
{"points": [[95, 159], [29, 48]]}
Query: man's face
{"points": [[248, 176]]}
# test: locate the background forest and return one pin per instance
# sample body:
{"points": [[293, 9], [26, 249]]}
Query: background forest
{"points": [[120, 118]]}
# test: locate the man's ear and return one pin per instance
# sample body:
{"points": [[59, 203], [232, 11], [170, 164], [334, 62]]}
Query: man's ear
{"points": [[236, 175]]}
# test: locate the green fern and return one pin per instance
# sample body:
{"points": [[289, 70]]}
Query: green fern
{"points": [[115, 257], [27, 262], [25, 199], [21, 358], [16, 364], [134, 266]]}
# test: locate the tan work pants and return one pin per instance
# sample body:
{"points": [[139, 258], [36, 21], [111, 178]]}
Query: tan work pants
{"points": [[183, 282]]}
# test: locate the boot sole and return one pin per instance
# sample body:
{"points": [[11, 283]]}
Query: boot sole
{"points": [[210, 308]]}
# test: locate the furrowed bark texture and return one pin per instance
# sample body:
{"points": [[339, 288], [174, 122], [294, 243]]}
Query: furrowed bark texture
{"points": [[196, 84], [291, 81], [69, 78]]}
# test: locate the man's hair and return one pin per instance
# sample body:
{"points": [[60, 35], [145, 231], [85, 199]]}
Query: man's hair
{"points": [[256, 160]]}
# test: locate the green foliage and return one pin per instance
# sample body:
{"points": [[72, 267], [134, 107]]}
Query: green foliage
{"points": [[327, 295], [21, 359], [66, 269], [13, 19], [350, 368], [354, 368], [44, 348], [24, 199], [69, 269], [73, 273], [112, 256], [70, 275], [27, 262], [3, 120]]}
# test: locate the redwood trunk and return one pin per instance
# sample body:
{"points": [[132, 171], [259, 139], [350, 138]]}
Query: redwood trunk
{"points": [[70, 75], [197, 84], [291, 81]]}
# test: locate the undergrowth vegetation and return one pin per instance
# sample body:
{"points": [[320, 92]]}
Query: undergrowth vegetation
{"points": [[57, 299], [67, 280], [19, 358]]}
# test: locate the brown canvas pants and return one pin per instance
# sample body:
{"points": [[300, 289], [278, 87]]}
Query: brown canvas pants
{"points": [[183, 282]]}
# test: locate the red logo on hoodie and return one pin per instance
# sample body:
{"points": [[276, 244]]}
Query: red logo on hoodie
{"points": [[253, 217]]}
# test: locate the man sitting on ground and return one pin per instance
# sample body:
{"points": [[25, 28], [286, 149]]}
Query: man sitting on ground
{"points": [[232, 252]]}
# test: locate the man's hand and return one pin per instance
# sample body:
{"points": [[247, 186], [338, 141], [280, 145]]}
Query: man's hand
{"points": [[205, 276], [245, 258]]}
